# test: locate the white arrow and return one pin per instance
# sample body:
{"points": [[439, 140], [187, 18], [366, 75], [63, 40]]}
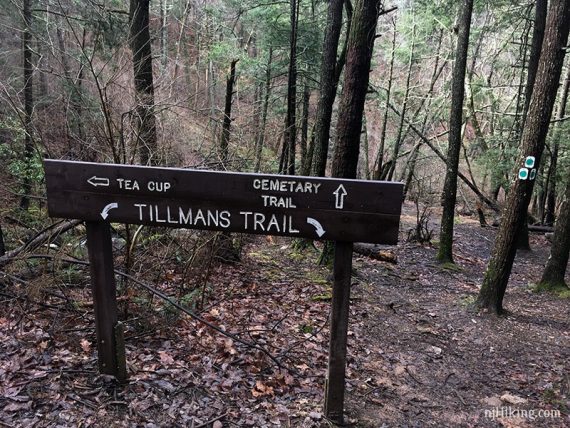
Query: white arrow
{"points": [[98, 181], [319, 228], [340, 193], [109, 207]]}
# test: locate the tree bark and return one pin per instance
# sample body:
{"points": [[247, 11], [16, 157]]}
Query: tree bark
{"points": [[351, 108], [551, 195], [328, 87], [2, 244], [345, 164], [144, 86], [227, 123], [264, 110], [28, 69], [535, 49], [445, 253], [305, 130], [399, 136], [290, 134], [533, 141], [163, 34], [553, 275], [380, 156]]}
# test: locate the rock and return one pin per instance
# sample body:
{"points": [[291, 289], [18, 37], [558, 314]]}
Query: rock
{"points": [[513, 399], [493, 401]]}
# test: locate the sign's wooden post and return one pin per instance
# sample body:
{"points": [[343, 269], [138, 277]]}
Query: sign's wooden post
{"points": [[334, 394], [103, 286]]}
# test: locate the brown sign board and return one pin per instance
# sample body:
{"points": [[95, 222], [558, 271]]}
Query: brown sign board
{"points": [[305, 207]]}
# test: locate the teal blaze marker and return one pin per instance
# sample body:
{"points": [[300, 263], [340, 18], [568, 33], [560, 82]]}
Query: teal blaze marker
{"points": [[523, 173], [529, 161]]}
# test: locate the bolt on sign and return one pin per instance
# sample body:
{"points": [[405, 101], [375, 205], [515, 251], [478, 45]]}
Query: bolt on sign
{"points": [[339, 210], [304, 207]]}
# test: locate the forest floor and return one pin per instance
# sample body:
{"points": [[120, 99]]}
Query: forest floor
{"points": [[418, 354]]}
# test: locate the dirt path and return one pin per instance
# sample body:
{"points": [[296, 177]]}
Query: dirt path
{"points": [[418, 355]]}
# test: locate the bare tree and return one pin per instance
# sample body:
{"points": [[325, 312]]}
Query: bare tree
{"points": [[445, 253]]}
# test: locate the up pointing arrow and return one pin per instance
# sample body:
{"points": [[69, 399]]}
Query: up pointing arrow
{"points": [[340, 193]]}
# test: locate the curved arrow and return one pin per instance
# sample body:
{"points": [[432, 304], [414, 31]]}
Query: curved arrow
{"points": [[109, 207], [340, 193], [318, 227]]}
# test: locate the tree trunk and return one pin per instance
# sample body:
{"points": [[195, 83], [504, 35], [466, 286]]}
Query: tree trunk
{"points": [[535, 48], [533, 141], [144, 86], [290, 135], [399, 140], [351, 108], [163, 34], [553, 275], [551, 195], [305, 129], [345, 160], [2, 244], [328, 87], [227, 123], [261, 134], [28, 69], [380, 156], [445, 253]]}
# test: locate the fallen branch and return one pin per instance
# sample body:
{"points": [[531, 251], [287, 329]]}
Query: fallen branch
{"points": [[45, 235], [375, 252], [173, 302]]}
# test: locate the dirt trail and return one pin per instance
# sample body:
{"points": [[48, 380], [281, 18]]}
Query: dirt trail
{"points": [[418, 355]]}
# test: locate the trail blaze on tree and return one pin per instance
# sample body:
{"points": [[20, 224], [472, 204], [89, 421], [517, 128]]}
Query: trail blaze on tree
{"points": [[533, 140]]}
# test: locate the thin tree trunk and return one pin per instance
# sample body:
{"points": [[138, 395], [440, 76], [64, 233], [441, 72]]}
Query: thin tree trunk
{"points": [[445, 253], [163, 33], [553, 275], [380, 156], [28, 103], [305, 128], [144, 85], [2, 245], [328, 87], [551, 195], [179, 44], [261, 135], [366, 160], [398, 143], [533, 141], [227, 123], [291, 118]]}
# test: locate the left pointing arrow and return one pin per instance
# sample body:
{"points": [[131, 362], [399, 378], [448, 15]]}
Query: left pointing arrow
{"points": [[109, 207], [98, 181]]}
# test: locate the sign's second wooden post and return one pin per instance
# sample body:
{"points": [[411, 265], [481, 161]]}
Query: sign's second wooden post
{"points": [[334, 394], [103, 286]]}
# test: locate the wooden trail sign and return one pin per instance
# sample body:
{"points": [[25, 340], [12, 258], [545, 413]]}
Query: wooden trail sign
{"points": [[340, 210], [304, 207]]}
